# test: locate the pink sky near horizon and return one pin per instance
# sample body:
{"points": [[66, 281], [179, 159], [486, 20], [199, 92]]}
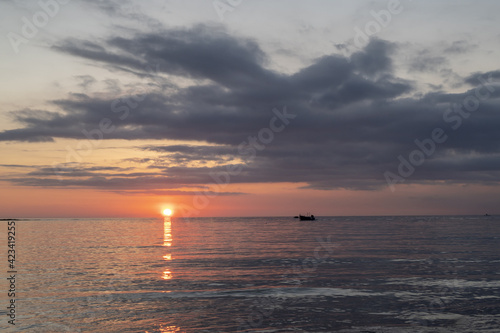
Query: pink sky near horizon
{"points": [[263, 200]]}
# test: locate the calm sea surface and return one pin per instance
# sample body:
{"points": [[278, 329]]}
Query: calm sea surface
{"points": [[336, 274]]}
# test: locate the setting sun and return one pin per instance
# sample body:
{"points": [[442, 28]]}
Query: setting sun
{"points": [[167, 212]]}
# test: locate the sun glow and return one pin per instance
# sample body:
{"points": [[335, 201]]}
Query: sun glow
{"points": [[167, 212]]}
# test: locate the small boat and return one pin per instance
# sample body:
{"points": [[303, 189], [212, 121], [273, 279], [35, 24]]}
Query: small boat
{"points": [[307, 217]]}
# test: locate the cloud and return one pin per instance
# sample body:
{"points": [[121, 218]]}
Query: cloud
{"points": [[189, 154], [459, 47], [375, 57], [426, 61], [177, 192], [86, 81], [354, 116], [479, 78], [118, 179]]}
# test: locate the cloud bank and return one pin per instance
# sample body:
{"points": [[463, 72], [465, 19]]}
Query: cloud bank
{"points": [[354, 116]]}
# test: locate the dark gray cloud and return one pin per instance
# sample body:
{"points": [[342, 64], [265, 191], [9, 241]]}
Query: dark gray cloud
{"points": [[479, 78], [375, 58], [354, 117], [78, 175]]}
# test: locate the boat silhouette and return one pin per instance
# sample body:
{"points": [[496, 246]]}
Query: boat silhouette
{"points": [[307, 217]]}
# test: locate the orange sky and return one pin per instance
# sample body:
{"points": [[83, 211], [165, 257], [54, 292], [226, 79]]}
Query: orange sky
{"points": [[263, 200]]}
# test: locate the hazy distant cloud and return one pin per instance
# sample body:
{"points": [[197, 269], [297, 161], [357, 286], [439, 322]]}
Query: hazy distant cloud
{"points": [[126, 10], [451, 78], [426, 61], [104, 183], [86, 81], [459, 46], [184, 154], [110, 7], [113, 86], [81, 175], [353, 116], [151, 192]]}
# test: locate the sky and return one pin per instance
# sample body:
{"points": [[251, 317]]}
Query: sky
{"points": [[249, 108]]}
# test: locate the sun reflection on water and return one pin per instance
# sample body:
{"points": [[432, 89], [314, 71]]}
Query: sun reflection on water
{"points": [[168, 329], [167, 231], [167, 242], [167, 275]]}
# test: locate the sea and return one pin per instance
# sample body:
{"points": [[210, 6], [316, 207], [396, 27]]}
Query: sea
{"points": [[254, 274]]}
